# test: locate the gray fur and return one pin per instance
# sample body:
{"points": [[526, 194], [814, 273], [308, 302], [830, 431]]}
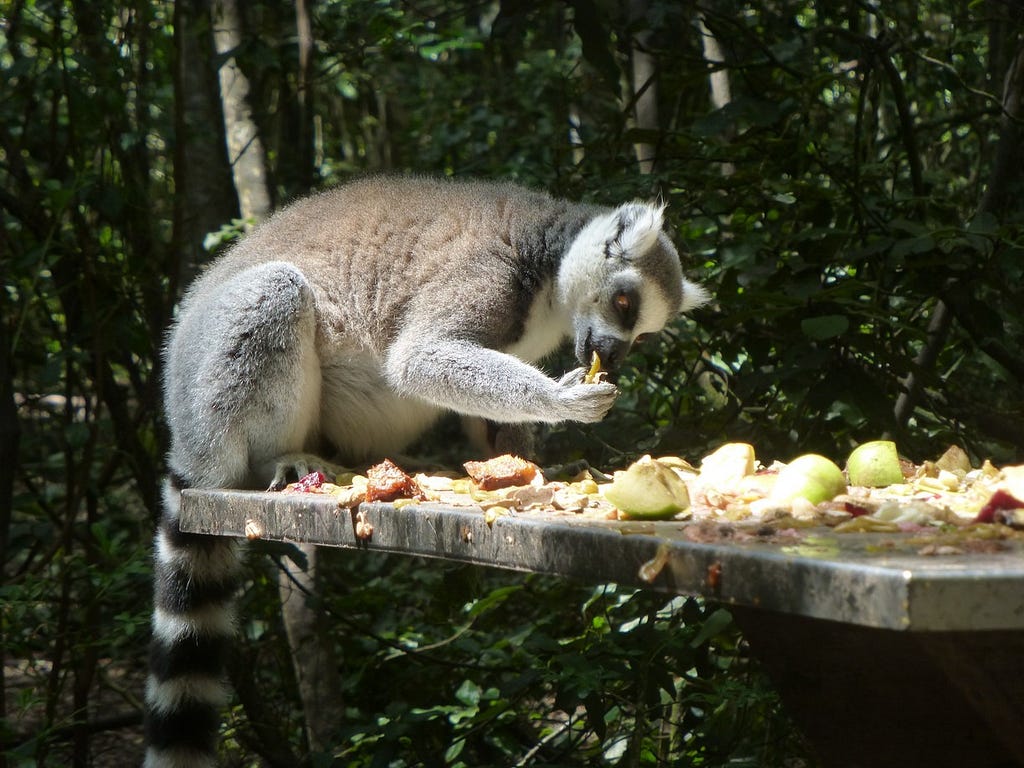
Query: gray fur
{"points": [[393, 296], [350, 321]]}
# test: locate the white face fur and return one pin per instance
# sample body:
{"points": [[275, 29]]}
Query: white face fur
{"points": [[621, 279]]}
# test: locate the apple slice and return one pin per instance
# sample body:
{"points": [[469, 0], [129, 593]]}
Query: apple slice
{"points": [[648, 490], [811, 477], [727, 466]]}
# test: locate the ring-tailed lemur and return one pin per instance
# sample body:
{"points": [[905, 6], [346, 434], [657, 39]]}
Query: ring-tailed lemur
{"points": [[349, 321]]}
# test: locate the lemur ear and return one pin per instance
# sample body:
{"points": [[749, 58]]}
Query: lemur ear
{"points": [[636, 229], [694, 296]]}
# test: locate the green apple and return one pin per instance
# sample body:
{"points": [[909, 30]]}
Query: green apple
{"points": [[648, 490], [810, 477], [875, 464]]}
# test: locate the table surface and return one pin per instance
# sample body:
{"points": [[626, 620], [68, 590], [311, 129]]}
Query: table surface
{"points": [[879, 580]]}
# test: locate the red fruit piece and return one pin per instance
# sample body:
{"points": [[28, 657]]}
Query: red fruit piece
{"points": [[855, 509], [311, 481], [1001, 500]]}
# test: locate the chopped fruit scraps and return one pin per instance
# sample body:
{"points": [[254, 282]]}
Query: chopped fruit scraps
{"points": [[501, 472], [364, 528], [350, 489], [387, 482], [729, 487], [1006, 504]]}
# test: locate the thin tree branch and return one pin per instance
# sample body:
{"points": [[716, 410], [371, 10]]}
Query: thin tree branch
{"points": [[906, 118], [1005, 170]]}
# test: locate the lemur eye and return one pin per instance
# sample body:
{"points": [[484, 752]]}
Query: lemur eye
{"points": [[626, 306]]}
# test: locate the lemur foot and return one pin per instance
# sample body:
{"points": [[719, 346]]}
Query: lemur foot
{"points": [[517, 439], [299, 465]]}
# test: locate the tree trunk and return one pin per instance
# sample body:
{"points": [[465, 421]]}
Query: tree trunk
{"points": [[245, 148], [1009, 159], [205, 198], [645, 90], [304, 30], [314, 665], [718, 77], [10, 433]]}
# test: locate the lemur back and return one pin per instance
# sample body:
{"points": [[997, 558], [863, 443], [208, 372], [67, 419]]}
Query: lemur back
{"points": [[348, 323]]}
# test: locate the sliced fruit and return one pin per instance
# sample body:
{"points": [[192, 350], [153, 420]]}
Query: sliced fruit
{"points": [[501, 472], [954, 460], [874, 465], [811, 477], [648, 490], [727, 466]]}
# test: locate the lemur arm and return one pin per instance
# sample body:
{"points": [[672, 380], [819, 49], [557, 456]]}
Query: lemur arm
{"points": [[476, 381]]}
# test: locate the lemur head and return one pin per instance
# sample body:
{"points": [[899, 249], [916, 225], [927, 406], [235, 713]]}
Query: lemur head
{"points": [[621, 279]]}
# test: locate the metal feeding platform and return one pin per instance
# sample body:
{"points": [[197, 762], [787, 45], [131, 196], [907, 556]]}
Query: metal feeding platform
{"points": [[894, 649]]}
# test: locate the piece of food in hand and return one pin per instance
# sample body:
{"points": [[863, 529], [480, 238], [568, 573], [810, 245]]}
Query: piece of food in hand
{"points": [[727, 466], [875, 464], [501, 472], [595, 374], [648, 490], [810, 477], [387, 482]]}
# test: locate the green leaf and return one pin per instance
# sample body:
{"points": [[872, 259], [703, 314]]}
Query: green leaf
{"points": [[469, 693], [714, 625], [985, 223], [824, 326], [454, 750], [492, 600], [909, 246]]}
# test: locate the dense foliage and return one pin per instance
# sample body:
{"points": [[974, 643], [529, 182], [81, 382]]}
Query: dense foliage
{"points": [[850, 199]]}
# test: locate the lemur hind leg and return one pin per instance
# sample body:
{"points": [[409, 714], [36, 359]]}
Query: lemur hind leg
{"points": [[250, 383], [242, 394]]}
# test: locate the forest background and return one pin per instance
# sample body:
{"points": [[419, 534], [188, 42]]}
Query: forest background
{"points": [[844, 177]]}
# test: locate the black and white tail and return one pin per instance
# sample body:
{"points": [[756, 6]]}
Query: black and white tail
{"points": [[195, 581]]}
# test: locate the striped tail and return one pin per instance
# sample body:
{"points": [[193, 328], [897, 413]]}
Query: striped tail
{"points": [[195, 580]]}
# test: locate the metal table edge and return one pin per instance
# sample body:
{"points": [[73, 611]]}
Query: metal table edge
{"points": [[883, 593]]}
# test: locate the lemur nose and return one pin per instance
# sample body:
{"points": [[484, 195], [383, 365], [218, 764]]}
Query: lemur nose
{"points": [[611, 350]]}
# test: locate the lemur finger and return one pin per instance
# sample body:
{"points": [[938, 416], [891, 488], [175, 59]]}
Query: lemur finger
{"points": [[572, 378]]}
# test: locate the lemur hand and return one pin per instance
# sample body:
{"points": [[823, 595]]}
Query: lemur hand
{"points": [[585, 402]]}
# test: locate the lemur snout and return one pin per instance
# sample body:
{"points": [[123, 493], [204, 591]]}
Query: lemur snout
{"points": [[610, 349]]}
